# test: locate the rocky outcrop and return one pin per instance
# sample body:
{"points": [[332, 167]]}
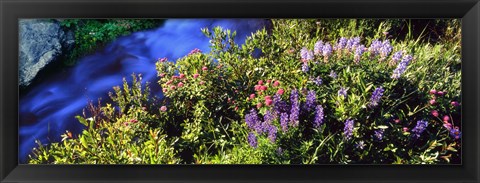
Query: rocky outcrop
{"points": [[41, 42]]}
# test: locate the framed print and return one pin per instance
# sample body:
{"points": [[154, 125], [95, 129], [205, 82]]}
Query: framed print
{"points": [[311, 91]]}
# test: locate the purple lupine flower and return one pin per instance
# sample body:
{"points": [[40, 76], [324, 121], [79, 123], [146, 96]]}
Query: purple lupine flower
{"points": [[358, 53], [341, 44], [318, 48], [349, 44], [252, 119], [419, 128], [310, 100], [284, 121], [269, 117], [402, 66], [348, 129], [385, 49], [318, 81], [352, 43], [309, 55], [397, 56], [333, 74], [319, 116], [263, 128], [455, 132], [272, 133], [343, 92], [306, 54], [375, 47], [379, 134], [376, 96], [360, 145], [326, 50], [303, 53], [305, 67], [295, 108], [279, 106], [252, 140]]}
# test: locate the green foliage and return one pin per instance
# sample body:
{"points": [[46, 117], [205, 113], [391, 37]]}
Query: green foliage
{"points": [[90, 34], [127, 136], [207, 97]]}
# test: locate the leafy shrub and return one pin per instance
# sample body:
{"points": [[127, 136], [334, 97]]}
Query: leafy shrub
{"points": [[295, 94]]}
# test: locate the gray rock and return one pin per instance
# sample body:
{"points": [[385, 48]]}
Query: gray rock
{"points": [[41, 42]]}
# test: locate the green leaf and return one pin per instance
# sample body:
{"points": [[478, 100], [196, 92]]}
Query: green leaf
{"points": [[83, 142], [82, 120], [382, 127]]}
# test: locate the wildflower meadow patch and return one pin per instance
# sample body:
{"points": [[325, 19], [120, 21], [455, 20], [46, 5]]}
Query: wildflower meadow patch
{"points": [[297, 91]]}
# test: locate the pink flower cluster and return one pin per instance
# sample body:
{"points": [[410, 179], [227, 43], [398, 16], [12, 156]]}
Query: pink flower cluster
{"points": [[261, 88], [446, 119]]}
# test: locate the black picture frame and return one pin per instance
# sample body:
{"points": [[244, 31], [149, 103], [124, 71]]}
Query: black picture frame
{"points": [[12, 10]]}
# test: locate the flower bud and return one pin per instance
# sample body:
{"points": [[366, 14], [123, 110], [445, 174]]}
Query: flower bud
{"points": [[259, 105], [163, 108], [446, 118], [454, 103], [276, 83]]}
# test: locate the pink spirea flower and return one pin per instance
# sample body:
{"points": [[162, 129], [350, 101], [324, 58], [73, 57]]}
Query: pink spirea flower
{"points": [[257, 87], [433, 92], [182, 76], [435, 113], [196, 50], [280, 91], [276, 83], [269, 81], [268, 102], [252, 96], [164, 59], [133, 121], [172, 87], [164, 90], [259, 105], [263, 88], [268, 97], [180, 84], [196, 75], [440, 93], [397, 121], [432, 102], [162, 75], [405, 129], [448, 126], [204, 68], [201, 82], [169, 82], [163, 108], [454, 103], [446, 118], [260, 82]]}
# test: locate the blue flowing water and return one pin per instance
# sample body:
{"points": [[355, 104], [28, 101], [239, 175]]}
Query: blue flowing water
{"points": [[49, 108]]}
